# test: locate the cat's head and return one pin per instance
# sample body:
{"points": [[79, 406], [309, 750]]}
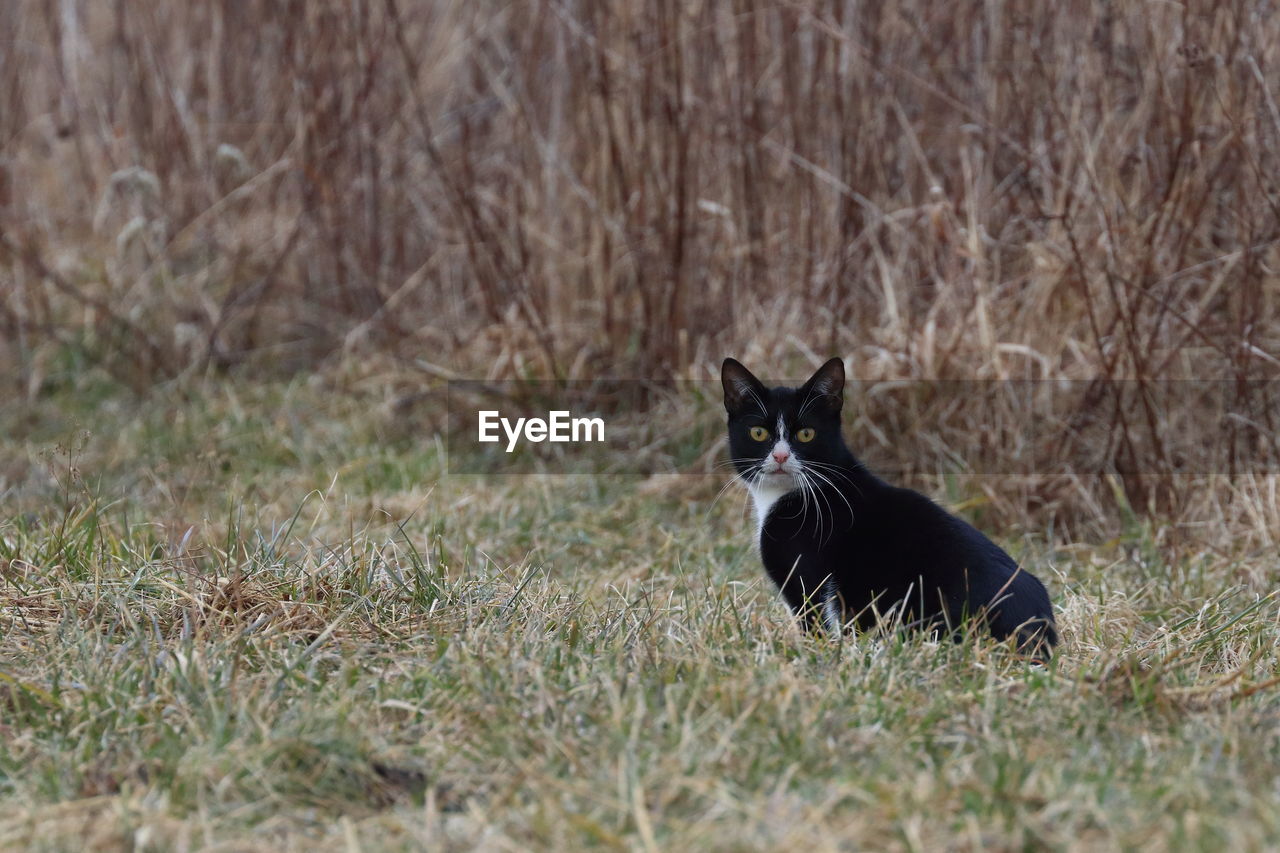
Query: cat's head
{"points": [[774, 433]]}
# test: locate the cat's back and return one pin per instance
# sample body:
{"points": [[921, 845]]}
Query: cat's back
{"points": [[912, 536], [910, 526], [929, 539]]}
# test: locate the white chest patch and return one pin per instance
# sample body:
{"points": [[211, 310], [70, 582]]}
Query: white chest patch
{"points": [[763, 497]]}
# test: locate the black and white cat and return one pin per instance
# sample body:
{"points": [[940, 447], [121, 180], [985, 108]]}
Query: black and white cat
{"points": [[847, 548]]}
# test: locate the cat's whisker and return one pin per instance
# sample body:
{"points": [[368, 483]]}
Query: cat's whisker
{"points": [[804, 498], [721, 493], [825, 526], [813, 492], [804, 503], [815, 472], [805, 489], [820, 492], [734, 461], [842, 474], [738, 477]]}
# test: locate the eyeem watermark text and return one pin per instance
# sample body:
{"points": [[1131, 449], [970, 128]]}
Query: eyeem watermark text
{"points": [[558, 426]]}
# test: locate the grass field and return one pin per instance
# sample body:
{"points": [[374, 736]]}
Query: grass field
{"points": [[255, 616], [245, 245]]}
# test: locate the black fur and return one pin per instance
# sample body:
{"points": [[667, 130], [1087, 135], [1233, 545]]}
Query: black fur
{"points": [[875, 549]]}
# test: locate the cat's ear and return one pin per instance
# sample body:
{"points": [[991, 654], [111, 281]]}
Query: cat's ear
{"points": [[826, 386], [740, 387]]}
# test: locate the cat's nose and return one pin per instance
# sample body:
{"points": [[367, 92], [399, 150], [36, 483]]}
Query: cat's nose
{"points": [[781, 456]]}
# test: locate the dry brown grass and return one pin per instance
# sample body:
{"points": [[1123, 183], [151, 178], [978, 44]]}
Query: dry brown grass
{"points": [[997, 189], [990, 191]]}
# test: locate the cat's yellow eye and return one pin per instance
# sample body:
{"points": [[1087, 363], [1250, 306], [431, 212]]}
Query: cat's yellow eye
{"points": [[759, 434], [805, 434]]}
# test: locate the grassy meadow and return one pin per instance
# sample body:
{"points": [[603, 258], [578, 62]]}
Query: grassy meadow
{"points": [[248, 603], [257, 617]]}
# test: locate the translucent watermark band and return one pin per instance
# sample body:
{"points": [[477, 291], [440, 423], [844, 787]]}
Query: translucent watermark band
{"points": [[973, 427]]}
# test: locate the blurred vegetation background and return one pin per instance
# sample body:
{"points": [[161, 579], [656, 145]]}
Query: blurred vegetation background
{"points": [[570, 189]]}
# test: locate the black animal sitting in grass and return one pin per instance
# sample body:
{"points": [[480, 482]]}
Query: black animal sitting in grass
{"points": [[847, 548]]}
